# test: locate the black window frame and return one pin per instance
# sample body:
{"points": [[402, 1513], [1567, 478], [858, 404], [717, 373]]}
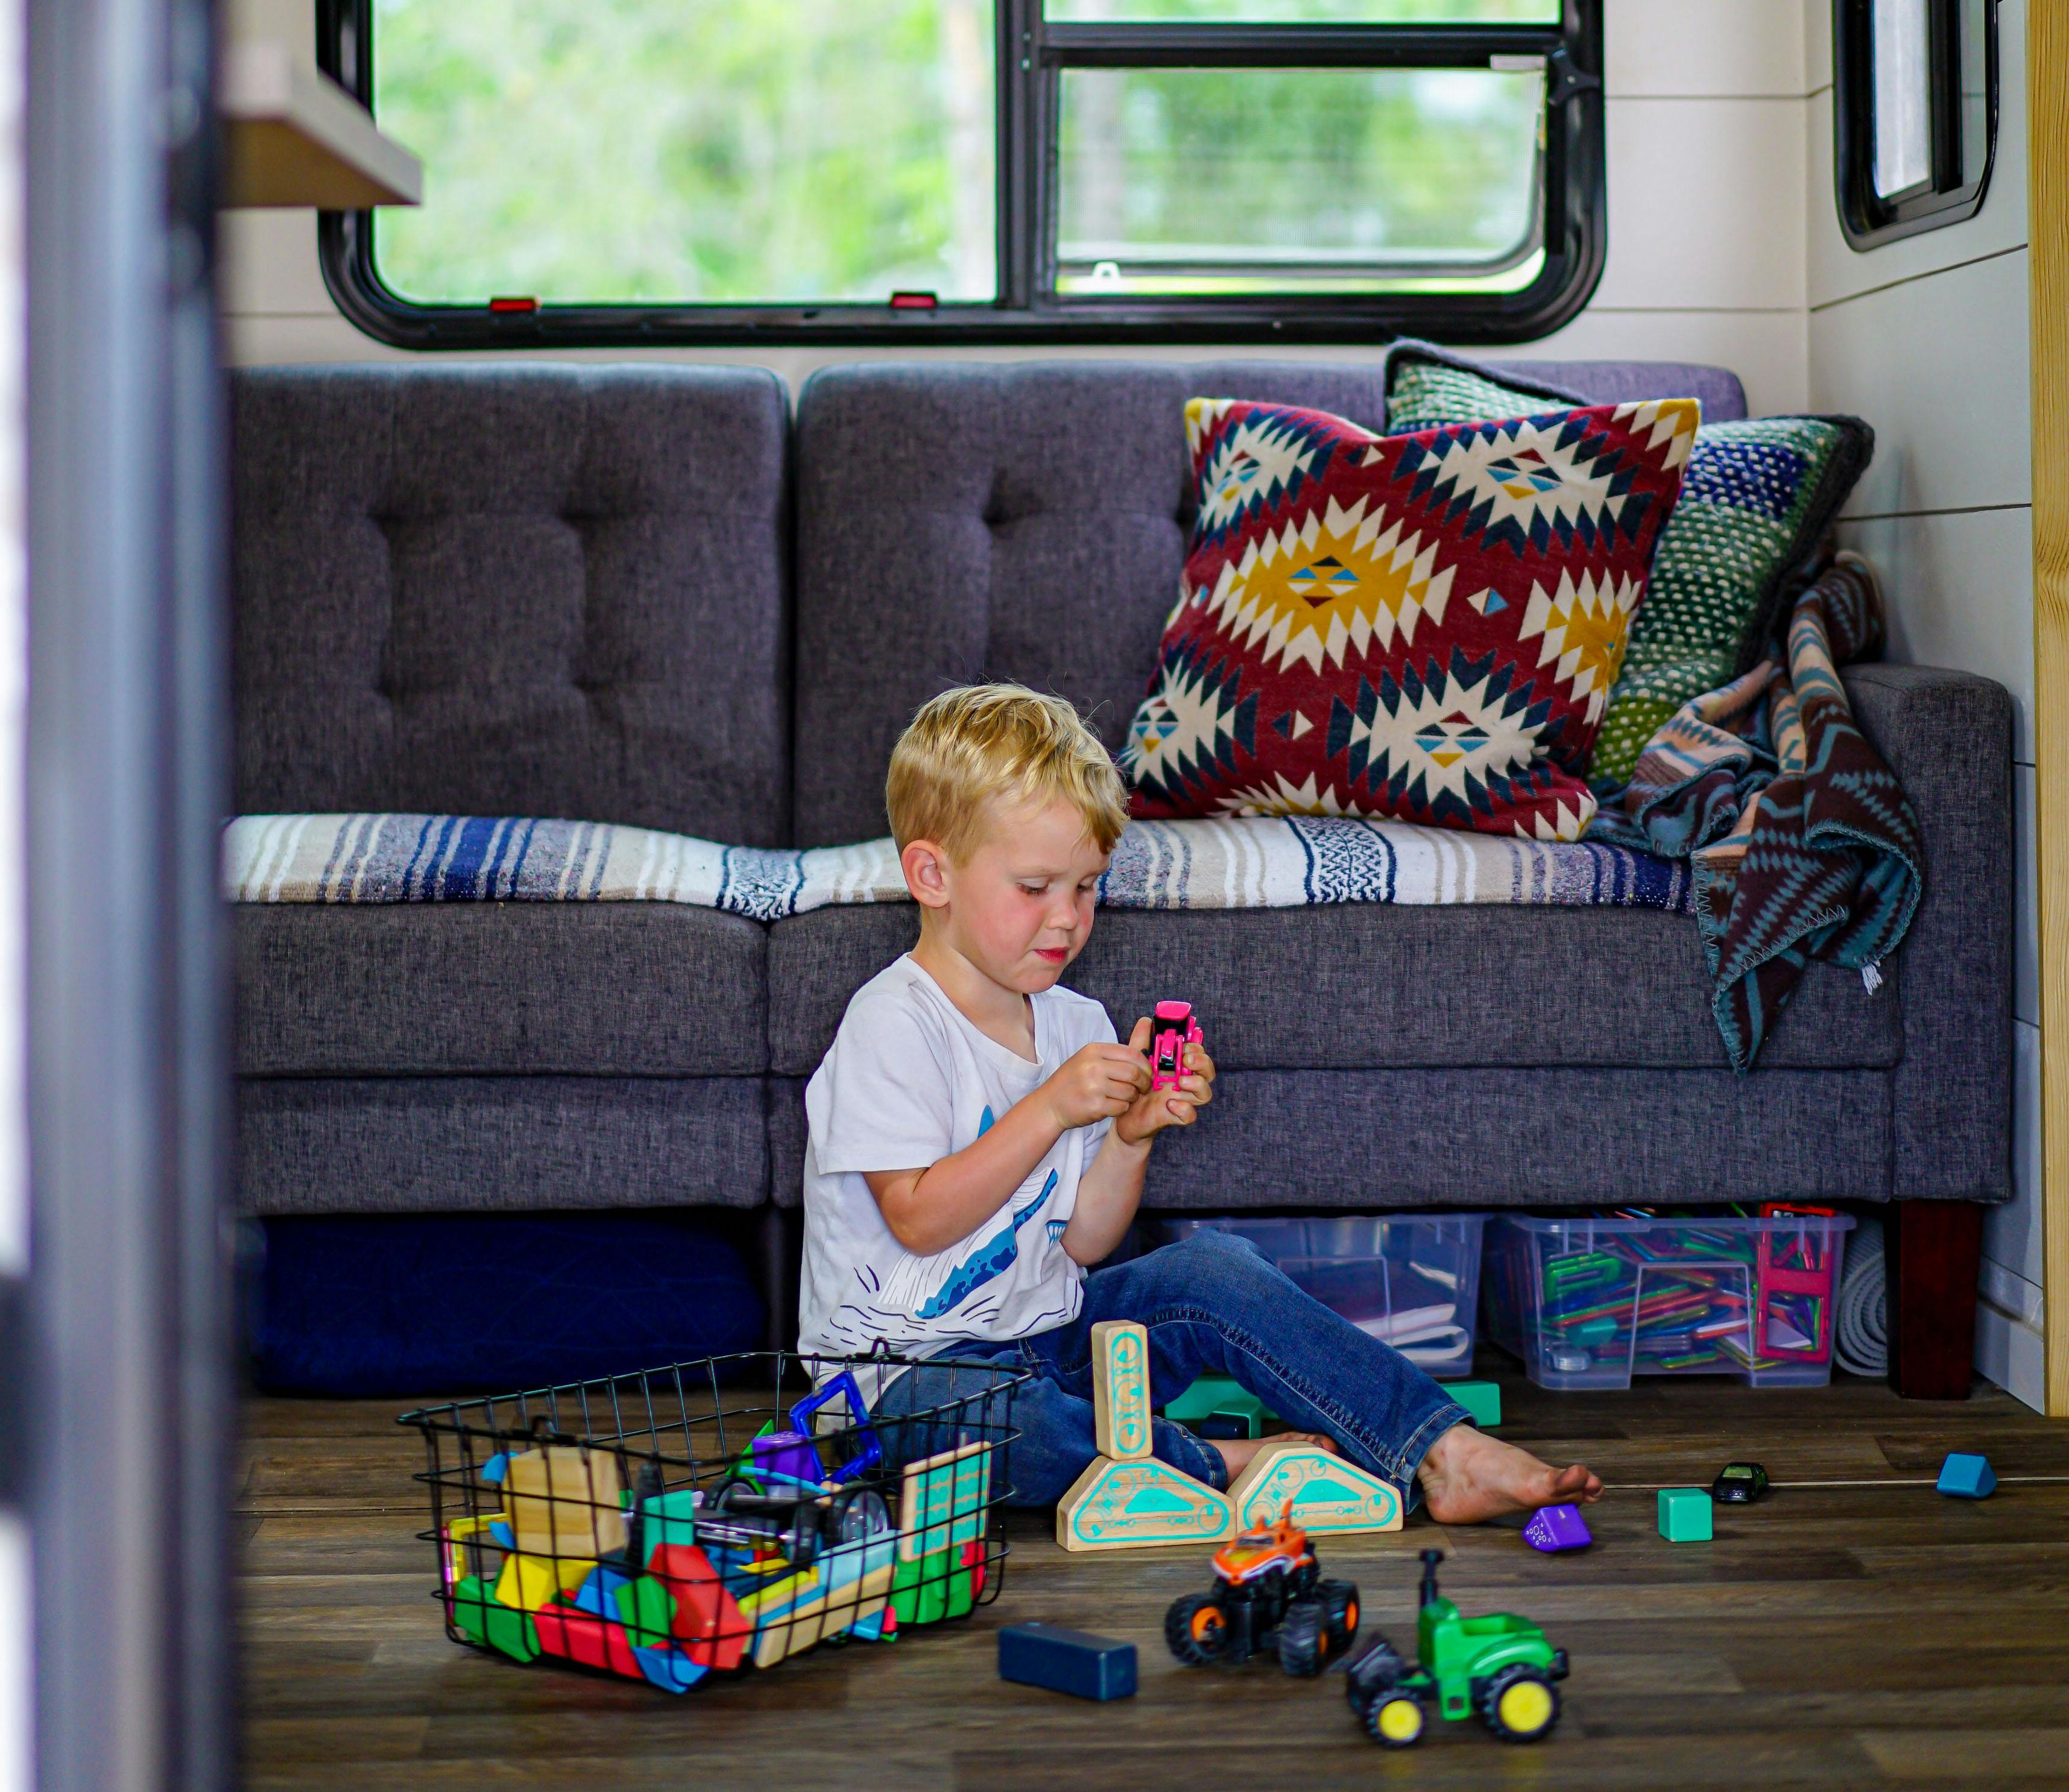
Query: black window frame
{"points": [[1031, 53], [1953, 194]]}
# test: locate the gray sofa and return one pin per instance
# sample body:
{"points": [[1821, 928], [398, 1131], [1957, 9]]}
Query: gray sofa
{"points": [[647, 595]]}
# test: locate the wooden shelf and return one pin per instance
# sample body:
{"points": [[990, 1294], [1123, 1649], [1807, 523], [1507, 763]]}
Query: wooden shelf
{"points": [[293, 136]]}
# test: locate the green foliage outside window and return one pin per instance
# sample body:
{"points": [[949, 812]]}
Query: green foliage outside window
{"points": [[801, 152]]}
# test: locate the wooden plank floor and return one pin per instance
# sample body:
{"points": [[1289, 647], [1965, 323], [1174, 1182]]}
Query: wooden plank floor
{"points": [[1840, 1636]]}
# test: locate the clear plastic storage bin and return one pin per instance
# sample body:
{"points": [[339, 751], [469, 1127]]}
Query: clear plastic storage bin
{"points": [[1411, 1280], [1589, 1303]]}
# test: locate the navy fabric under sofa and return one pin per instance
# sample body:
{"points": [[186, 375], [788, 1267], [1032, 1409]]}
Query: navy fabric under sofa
{"points": [[645, 595]]}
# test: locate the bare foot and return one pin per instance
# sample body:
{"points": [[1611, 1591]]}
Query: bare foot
{"points": [[1238, 1452], [1468, 1477]]}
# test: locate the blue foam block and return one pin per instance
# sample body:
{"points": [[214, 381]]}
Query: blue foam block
{"points": [[1067, 1661], [1968, 1477]]}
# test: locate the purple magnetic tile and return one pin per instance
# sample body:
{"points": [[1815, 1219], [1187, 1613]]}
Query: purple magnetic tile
{"points": [[1555, 1528]]}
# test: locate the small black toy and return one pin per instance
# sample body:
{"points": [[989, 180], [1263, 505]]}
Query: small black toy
{"points": [[1739, 1484]]}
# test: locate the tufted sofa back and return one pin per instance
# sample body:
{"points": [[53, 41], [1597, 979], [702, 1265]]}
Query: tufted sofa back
{"points": [[1024, 520], [515, 590]]}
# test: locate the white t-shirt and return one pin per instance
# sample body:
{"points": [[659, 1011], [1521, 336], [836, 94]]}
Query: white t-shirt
{"points": [[907, 1082]]}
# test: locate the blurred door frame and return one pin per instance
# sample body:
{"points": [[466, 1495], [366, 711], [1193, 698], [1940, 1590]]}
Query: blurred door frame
{"points": [[128, 1378]]}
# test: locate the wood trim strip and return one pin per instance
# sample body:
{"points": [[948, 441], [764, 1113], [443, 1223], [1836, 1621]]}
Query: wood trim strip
{"points": [[2047, 126]]}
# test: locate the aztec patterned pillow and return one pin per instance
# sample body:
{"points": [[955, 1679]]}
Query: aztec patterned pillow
{"points": [[1757, 501], [1421, 627]]}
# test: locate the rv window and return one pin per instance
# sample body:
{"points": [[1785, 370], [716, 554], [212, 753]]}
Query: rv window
{"points": [[1914, 113], [602, 172]]}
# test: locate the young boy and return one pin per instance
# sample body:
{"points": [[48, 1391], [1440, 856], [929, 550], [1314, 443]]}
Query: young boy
{"points": [[979, 1137]]}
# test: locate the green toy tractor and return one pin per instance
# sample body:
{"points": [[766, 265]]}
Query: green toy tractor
{"points": [[1499, 1666]]}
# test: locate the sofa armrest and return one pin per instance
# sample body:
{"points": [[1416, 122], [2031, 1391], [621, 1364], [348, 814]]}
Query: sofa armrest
{"points": [[1948, 736]]}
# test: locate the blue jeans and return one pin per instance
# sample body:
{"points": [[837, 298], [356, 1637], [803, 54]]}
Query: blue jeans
{"points": [[1213, 1306]]}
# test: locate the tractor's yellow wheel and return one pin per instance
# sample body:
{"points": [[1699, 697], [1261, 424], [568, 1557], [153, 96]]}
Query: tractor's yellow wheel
{"points": [[1524, 1709], [1396, 1721]]}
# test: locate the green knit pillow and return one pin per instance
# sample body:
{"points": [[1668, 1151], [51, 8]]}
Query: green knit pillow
{"points": [[1756, 502]]}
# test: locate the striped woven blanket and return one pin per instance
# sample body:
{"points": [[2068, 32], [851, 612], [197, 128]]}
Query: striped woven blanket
{"points": [[1291, 862]]}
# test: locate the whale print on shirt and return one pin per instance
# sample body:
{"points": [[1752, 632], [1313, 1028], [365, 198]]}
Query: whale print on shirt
{"points": [[991, 1259], [953, 1283]]}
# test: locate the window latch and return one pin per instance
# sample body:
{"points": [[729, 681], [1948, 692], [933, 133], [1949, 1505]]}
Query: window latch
{"points": [[1563, 81]]}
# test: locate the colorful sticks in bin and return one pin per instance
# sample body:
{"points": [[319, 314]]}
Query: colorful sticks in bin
{"points": [[1682, 1296]]}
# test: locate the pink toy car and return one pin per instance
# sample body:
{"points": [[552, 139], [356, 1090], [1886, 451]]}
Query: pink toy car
{"points": [[1174, 1028]]}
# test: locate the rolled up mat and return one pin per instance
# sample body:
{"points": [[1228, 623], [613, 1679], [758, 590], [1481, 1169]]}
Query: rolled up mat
{"points": [[1861, 1345]]}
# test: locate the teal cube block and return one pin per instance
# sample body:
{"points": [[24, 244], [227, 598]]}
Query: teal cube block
{"points": [[1963, 1477], [1684, 1515], [1482, 1399], [1217, 1396]]}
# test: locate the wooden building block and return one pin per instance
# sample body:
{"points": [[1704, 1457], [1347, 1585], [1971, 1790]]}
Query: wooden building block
{"points": [[529, 1583], [477, 1614], [565, 1500], [1328, 1495], [1965, 1477], [1482, 1399], [1214, 1406], [851, 1581], [580, 1636], [1685, 1514], [465, 1542], [942, 1500], [1120, 1390], [821, 1607], [1134, 1505], [669, 1669], [1067, 1661]]}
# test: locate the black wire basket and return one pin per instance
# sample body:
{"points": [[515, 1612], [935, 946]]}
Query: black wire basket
{"points": [[716, 1515]]}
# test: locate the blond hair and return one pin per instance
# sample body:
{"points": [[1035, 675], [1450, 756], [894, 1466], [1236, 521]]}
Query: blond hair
{"points": [[970, 745]]}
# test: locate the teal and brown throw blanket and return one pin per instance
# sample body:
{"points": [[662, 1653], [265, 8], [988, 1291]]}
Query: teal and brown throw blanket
{"points": [[1801, 842], [1280, 862]]}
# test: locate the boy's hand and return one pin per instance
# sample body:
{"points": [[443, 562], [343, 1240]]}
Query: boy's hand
{"points": [[1149, 1114], [1096, 1082]]}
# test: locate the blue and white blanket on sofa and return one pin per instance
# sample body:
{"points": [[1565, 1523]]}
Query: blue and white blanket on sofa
{"points": [[1288, 862]]}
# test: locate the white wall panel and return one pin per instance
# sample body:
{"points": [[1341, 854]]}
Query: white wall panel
{"points": [[2011, 1292], [1703, 46], [2011, 1233], [1836, 271], [1817, 44], [269, 264], [1959, 592], [1940, 367], [1706, 205], [1767, 349], [2012, 1354]]}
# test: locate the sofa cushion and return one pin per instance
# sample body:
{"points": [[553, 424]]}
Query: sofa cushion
{"points": [[1575, 1137], [1423, 627], [1372, 986], [514, 590], [412, 1144], [1023, 520], [619, 989]]}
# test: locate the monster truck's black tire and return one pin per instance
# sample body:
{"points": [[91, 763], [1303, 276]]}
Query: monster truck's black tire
{"points": [[1197, 1629], [1340, 1615], [1303, 1638]]}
